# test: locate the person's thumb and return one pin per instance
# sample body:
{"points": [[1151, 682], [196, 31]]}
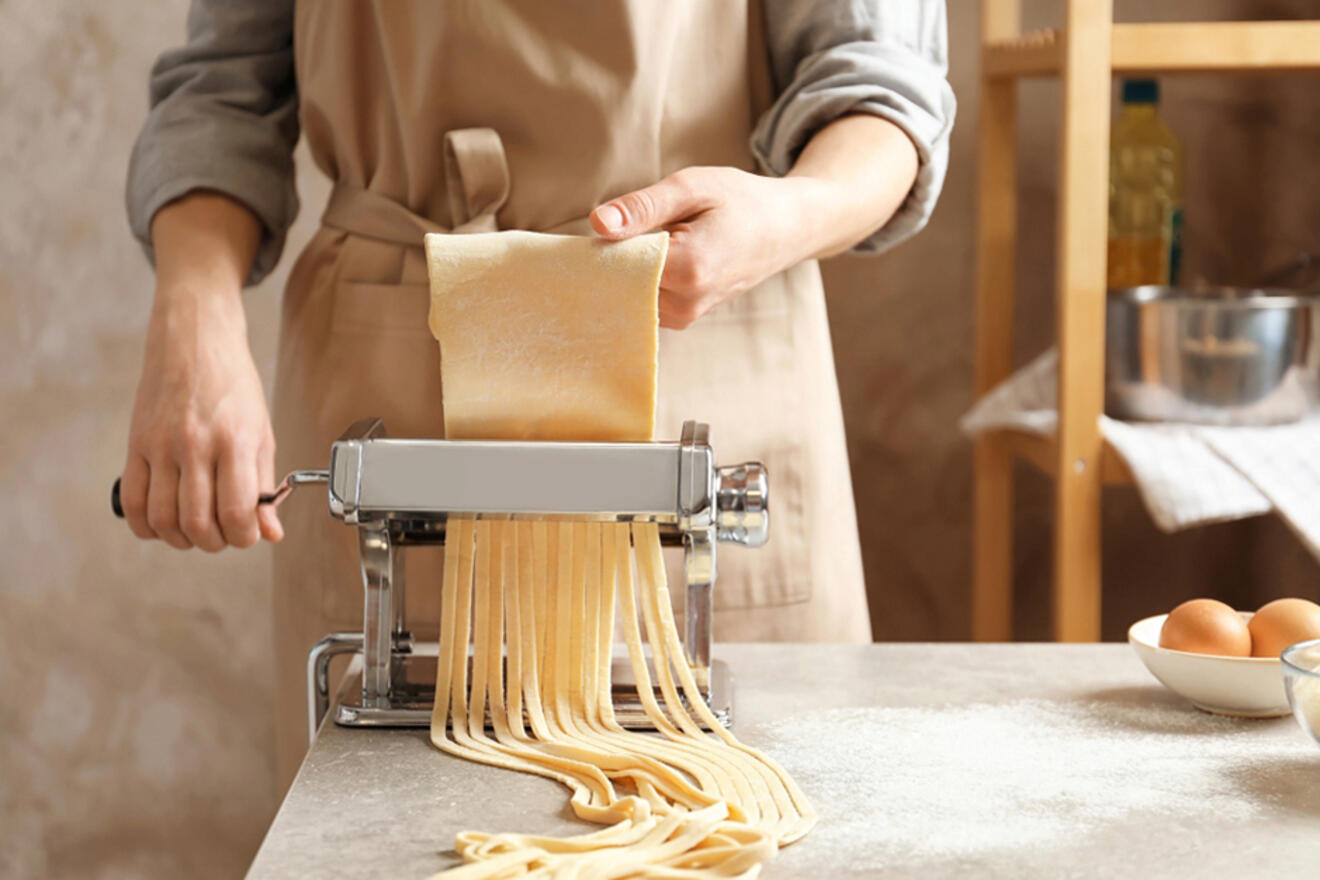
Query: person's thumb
{"points": [[666, 201]]}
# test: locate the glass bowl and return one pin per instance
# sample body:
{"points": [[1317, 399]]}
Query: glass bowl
{"points": [[1301, 681]]}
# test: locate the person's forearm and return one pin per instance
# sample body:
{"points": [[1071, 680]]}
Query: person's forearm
{"points": [[200, 444], [859, 169], [205, 244]]}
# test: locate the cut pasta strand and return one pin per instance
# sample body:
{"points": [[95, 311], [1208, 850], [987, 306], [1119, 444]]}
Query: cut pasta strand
{"points": [[679, 803], [548, 337]]}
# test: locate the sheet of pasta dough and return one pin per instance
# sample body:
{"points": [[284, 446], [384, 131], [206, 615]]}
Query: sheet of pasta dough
{"points": [[546, 337]]}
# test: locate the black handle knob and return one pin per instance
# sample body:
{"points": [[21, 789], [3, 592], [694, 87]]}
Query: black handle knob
{"points": [[267, 498]]}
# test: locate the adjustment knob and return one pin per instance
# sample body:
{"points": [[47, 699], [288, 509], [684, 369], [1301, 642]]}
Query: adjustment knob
{"points": [[742, 504]]}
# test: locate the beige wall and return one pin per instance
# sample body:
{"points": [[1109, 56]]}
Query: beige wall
{"points": [[135, 679], [134, 735]]}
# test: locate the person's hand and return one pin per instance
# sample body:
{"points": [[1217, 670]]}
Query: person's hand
{"points": [[200, 447], [728, 231]]}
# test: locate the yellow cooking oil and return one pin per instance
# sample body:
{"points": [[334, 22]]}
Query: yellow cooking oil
{"points": [[1145, 191]]}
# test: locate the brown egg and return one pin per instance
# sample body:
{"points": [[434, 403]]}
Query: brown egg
{"points": [[1206, 626], [1282, 622]]}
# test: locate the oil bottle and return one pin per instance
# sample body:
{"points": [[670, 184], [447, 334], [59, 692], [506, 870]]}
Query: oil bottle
{"points": [[1145, 192]]}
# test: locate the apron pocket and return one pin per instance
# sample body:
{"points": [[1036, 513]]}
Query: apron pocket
{"points": [[736, 369], [380, 361], [778, 573], [391, 309]]}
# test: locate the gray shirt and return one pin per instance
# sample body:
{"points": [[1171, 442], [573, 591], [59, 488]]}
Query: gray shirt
{"points": [[224, 107]]}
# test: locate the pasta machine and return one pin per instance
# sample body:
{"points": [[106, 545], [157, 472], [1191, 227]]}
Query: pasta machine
{"points": [[400, 492]]}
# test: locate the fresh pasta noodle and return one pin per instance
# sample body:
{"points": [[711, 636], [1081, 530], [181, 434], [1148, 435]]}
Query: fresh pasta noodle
{"points": [[677, 803], [555, 338]]}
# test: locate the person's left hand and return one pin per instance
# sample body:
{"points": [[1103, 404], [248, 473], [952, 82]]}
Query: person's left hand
{"points": [[728, 231]]}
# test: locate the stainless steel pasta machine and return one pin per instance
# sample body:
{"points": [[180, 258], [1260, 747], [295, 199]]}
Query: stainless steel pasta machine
{"points": [[401, 492]]}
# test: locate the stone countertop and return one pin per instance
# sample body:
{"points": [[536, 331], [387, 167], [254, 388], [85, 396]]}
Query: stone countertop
{"points": [[923, 760]]}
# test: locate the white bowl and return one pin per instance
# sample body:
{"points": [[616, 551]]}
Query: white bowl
{"points": [[1246, 687]]}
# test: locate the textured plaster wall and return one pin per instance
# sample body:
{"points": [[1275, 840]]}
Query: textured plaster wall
{"points": [[136, 704]]}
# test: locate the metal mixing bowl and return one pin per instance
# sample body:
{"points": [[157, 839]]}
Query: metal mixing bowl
{"points": [[1219, 355]]}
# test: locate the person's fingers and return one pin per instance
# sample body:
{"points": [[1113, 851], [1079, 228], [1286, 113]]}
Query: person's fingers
{"points": [[685, 285], [268, 519], [163, 504], [669, 200], [197, 506], [236, 497], [268, 523], [677, 313], [133, 495], [687, 271]]}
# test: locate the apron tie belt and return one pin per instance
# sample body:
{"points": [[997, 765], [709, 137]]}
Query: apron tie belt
{"points": [[476, 181]]}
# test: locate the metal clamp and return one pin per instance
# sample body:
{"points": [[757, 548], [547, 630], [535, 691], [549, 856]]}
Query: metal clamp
{"points": [[318, 675]]}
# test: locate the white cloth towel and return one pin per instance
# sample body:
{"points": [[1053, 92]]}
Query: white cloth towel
{"points": [[1187, 475]]}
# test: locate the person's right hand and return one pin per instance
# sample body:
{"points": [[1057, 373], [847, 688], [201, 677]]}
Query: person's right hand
{"points": [[200, 446]]}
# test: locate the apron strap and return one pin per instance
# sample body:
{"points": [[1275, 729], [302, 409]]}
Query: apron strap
{"points": [[369, 214], [476, 179]]}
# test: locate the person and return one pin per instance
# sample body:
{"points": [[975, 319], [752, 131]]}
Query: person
{"points": [[762, 134]]}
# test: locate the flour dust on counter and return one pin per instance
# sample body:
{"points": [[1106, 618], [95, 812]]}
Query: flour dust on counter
{"points": [[946, 784]]}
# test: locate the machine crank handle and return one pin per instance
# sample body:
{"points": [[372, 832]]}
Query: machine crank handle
{"points": [[293, 480]]}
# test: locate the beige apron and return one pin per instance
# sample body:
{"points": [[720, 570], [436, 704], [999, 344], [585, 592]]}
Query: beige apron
{"points": [[520, 114]]}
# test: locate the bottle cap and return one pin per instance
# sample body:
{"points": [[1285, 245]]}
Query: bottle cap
{"points": [[1141, 91]]}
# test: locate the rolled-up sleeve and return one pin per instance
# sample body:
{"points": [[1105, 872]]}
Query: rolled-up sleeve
{"points": [[830, 58], [224, 117]]}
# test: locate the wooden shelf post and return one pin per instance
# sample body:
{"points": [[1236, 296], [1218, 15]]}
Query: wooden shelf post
{"points": [[996, 245], [1080, 294]]}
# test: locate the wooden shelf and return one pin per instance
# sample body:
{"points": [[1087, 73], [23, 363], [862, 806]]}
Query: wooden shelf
{"points": [[1043, 453], [1201, 47], [1036, 53], [1085, 54]]}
